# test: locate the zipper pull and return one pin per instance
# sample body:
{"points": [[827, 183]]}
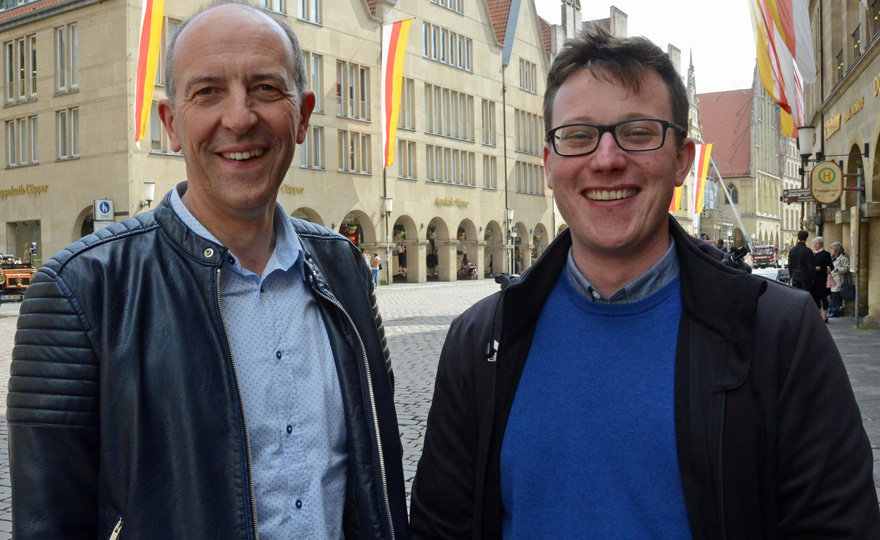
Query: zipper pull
{"points": [[117, 529]]}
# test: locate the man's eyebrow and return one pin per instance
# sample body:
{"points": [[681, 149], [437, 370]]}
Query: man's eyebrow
{"points": [[200, 81]]}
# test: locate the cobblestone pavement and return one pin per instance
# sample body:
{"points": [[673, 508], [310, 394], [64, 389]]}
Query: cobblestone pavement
{"points": [[416, 319]]}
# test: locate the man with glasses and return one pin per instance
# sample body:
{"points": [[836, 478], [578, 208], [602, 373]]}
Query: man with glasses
{"points": [[629, 385]]}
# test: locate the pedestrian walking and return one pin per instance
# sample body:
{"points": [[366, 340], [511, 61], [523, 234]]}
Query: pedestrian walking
{"points": [[375, 266], [629, 384], [839, 273], [822, 265], [800, 263]]}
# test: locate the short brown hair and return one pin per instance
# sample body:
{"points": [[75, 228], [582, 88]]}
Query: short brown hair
{"points": [[802, 236], [621, 60]]}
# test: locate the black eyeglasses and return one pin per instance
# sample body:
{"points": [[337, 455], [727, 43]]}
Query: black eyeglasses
{"points": [[636, 135]]}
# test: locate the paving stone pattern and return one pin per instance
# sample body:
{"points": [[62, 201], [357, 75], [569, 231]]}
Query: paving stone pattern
{"points": [[416, 320]]}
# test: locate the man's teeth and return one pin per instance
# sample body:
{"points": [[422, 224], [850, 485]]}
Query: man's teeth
{"points": [[612, 195], [239, 156]]}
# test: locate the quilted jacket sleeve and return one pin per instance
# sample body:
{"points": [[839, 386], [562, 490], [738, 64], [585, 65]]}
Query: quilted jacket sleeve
{"points": [[52, 413]]}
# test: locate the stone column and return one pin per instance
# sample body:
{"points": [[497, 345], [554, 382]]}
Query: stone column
{"points": [[416, 267], [448, 263]]}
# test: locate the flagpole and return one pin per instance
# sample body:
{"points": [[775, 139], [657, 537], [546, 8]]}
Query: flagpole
{"points": [[733, 206]]}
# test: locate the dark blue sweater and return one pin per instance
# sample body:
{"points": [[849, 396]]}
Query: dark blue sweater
{"points": [[589, 450]]}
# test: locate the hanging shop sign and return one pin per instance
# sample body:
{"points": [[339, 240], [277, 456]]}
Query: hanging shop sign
{"points": [[826, 182], [854, 110]]}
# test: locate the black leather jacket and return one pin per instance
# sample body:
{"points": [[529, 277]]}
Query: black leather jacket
{"points": [[123, 403]]}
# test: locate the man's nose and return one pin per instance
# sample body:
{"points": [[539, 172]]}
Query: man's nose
{"points": [[608, 155], [238, 114]]}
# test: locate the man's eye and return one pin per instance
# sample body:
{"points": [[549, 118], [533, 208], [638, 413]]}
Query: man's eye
{"points": [[205, 91]]}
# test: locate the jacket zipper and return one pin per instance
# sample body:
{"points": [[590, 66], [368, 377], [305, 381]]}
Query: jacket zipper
{"points": [[247, 439], [363, 351], [117, 529]]}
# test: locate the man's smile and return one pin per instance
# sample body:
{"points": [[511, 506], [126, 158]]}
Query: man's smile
{"points": [[241, 156], [610, 195]]}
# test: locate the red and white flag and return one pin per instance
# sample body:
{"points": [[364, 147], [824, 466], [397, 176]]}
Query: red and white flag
{"points": [[704, 153], [394, 38], [148, 61], [785, 54]]}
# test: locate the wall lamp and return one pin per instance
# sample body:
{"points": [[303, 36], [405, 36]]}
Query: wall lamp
{"points": [[149, 193], [389, 205]]}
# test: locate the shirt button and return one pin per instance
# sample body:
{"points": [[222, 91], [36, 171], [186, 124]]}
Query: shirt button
{"points": [[289, 430], [596, 295], [262, 289], [278, 355], [299, 503]]}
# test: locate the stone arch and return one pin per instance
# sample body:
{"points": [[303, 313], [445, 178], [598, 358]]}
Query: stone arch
{"points": [[521, 248], [438, 238], [405, 233], [853, 163], [561, 228], [308, 214], [84, 224], [493, 262], [540, 240], [738, 239], [357, 227]]}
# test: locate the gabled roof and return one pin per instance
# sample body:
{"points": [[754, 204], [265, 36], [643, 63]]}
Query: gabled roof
{"points": [[546, 35], [727, 124], [499, 11]]}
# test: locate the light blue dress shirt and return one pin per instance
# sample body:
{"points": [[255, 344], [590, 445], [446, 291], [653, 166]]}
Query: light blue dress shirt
{"points": [[289, 386], [657, 277]]}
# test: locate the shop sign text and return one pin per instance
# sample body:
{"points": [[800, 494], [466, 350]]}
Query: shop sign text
{"points": [[29, 189], [458, 203]]}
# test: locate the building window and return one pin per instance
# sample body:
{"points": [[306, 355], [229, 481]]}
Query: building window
{"points": [[874, 18], [406, 120], [312, 149], [11, 154], [20, 57], [528, 76], [66, 58], [21, 142], [160, 143], [449, 113], [450, 166], [309, 10], [352, 91], [273, 5], [452, 5], [67, 128], [490, 172], [840, 67], [857, 43], [488, 122], [527, 132], [734, 195], [353, 152], [406, 159], [169, 28], [447, 47], [529, 178], [315, 63]]}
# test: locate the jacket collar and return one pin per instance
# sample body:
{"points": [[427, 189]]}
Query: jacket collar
{"points": [[719, 298], [196, 247]]}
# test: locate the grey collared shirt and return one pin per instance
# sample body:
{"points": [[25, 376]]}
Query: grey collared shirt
{"points": [[663, 271], [288, 385]]}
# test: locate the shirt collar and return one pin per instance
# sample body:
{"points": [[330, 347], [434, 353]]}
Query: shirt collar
{"points": [[288, 248], [658, 276]]}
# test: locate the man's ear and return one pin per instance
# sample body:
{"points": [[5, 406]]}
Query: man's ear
{"points": [[166, 114], [685, 160], [547, 176], [305, 113]]}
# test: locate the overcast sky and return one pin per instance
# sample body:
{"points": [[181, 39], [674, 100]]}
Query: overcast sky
{"points": [[718, 32]]}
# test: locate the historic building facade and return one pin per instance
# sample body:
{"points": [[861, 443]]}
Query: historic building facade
{"points": [[750, 153], [469, 140], [843, 107]]}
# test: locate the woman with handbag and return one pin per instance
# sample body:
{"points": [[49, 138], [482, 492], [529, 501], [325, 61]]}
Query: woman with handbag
{"points": [[840, 275], [822, 264]]}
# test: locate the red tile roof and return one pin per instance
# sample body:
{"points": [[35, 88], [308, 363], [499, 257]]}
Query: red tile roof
{"points": [[27, 8], [545, 35], [727, 124], [499, 11]]}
